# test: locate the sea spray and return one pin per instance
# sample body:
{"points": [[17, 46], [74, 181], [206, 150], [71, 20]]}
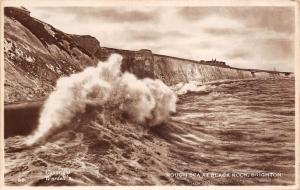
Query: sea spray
{"points": [[192, 86], [197, 86], [145, 101]]}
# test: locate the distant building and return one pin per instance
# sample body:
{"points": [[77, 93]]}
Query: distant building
{"points": [[214, 62]]}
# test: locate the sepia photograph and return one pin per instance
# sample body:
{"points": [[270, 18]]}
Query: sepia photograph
{"points": [[150, 95]]}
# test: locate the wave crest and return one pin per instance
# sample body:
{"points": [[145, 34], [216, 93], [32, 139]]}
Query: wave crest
{"points": [[144, 101]]}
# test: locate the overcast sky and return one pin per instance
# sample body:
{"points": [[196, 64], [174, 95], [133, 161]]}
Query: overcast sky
{"points": [[246, 37]]}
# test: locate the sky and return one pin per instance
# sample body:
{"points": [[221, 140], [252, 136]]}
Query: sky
{"points": [[245, 37]]}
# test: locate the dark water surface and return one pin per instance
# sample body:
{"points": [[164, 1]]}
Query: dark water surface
{"points": [[238, 133], [245, 126]]}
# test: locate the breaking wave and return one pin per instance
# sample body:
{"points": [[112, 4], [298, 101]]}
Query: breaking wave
{"points": [[146, 101], [203, 87], [192, 86]]}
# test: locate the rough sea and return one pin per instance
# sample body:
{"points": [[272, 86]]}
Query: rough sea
{"points": [[229, 133]]}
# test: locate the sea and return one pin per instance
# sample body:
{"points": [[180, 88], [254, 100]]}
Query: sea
{"points": [[227, 133]]}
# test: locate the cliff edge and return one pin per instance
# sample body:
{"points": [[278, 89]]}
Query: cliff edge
{"points": [[37, 54]]}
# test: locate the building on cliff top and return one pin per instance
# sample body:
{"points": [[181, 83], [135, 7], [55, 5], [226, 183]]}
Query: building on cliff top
{"points": [[214, 62]]}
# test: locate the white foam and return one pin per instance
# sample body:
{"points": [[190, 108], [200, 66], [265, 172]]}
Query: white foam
{"points": [[192, 86], [145, 101]]}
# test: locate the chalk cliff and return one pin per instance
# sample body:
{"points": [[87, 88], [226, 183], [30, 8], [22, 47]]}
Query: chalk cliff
{"points": [[37, 54], [173, 70]]}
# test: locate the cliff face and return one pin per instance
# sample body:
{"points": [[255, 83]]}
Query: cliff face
{"points": [[185, 71], [37, 54], [172, 70]]}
